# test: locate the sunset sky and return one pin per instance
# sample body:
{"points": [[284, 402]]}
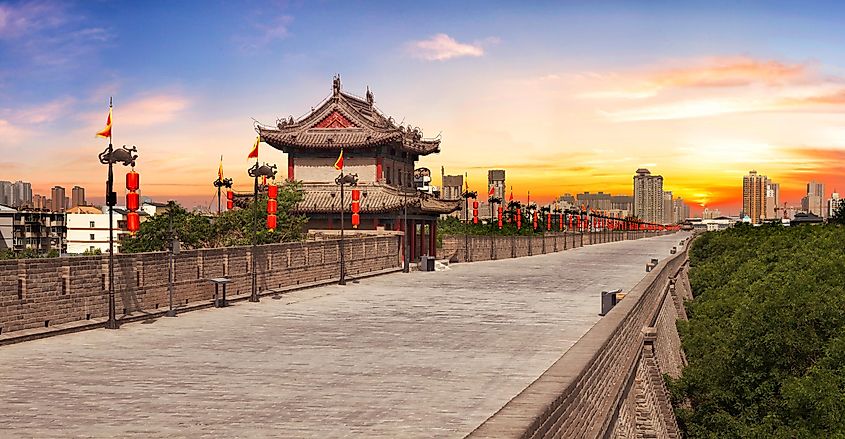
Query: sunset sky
{"points": [[565, 96]]}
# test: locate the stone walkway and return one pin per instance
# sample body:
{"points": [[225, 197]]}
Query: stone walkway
{"points": [[397, 356]]}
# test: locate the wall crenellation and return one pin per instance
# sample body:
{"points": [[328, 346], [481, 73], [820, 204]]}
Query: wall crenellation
{"points": [[35, 293]]}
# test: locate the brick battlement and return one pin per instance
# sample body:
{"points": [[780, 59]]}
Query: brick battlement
{"points": [[38, 293], [484, 248], [610, 383]]}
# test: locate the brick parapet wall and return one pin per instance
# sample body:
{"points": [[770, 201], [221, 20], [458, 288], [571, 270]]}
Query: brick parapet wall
{"points": [[36, 293], [457, 247], [609, 384]]}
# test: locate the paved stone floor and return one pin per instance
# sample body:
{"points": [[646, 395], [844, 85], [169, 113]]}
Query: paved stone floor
{"points": [[399, 356]]}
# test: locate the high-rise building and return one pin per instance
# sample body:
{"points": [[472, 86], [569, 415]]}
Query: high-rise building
{"points": [[813, 202], [668, 208], [6, 193], [598, 201], [773, 207], [622, 202], [452, 187], [680, 211], [648, 196], [833, 204], [78, 197], [496, 180], [754, 196], [57, 194], [40, 202], [22, 191]]}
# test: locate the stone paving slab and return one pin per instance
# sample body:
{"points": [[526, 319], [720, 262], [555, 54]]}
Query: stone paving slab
{"points": [[398, 356]]}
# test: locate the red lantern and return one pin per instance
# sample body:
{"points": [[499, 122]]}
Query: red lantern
{"points": [[535, 220], [560, 222], [132, 201], [133, 222], [132, 180], [500, 217], [273, 191], [518, 219], [356, 207], [272, 205], [230, 204], [271, 222], [475, 212], [548, 221], [230, 195]]}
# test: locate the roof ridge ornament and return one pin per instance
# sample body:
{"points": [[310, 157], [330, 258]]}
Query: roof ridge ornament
{"points": [[336, 85], [369, 96]]}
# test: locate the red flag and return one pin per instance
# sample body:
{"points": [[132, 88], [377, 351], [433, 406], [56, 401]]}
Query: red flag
{"points": [[254, 153], [338, 164], [106, 132], [511, 196], [490, 193]]}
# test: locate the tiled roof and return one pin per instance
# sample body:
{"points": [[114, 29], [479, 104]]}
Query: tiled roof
{"points": [[375, 198], [368, 128]]}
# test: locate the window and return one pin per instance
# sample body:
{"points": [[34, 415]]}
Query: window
{"points": [[389, 176], [91, 224], [92, 236]]}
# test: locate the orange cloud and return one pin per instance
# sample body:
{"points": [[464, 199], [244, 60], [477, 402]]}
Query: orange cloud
{"points": [[731, 72], [709, 73]]}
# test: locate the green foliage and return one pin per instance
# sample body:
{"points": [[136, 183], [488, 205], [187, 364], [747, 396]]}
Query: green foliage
{"points": [[90, 252], [27, 253], [232, 228], [766, 336]]}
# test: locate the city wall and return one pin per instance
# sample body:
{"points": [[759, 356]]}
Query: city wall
{"points": [[39, 293], [610, 383], [484, 248]]}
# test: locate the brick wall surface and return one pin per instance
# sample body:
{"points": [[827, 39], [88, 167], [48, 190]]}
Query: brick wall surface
{"points": [[44, 292], [478, 248], [610, 383]]}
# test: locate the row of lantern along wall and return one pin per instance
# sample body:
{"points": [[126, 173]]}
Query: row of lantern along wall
{"points": [[546, 219]]}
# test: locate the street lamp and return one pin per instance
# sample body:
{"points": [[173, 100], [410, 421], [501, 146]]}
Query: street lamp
{"points": [[266, 171], [219, 184], [351, 180], [110, 156], [467, 195]]}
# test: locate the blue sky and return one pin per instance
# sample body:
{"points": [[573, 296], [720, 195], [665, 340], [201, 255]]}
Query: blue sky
{"points": [[508, 84]]}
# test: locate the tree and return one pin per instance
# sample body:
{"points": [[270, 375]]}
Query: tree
{"points": [[232, 228], [764, 345]]}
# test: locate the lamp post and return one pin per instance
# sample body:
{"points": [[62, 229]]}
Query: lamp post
{"points": [[467, 195], [109, 157], [172, 251], [219, 184], [267, 171], [493, 200], [351, 180]]}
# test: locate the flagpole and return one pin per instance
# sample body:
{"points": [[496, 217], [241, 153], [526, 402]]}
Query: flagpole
{"points": [[111, 198]]}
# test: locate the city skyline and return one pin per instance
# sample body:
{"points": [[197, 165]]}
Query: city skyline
{"points": [[566, 108]]}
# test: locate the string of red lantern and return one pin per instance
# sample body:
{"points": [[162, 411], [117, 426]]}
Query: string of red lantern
{"points": [[133, 199], [356, 207], [272, 206]]}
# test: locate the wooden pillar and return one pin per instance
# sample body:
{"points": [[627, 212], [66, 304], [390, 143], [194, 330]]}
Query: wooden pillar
{"points": [[422, 237], [379, 169], [433, 241], [412, 238], [290, 167]]}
